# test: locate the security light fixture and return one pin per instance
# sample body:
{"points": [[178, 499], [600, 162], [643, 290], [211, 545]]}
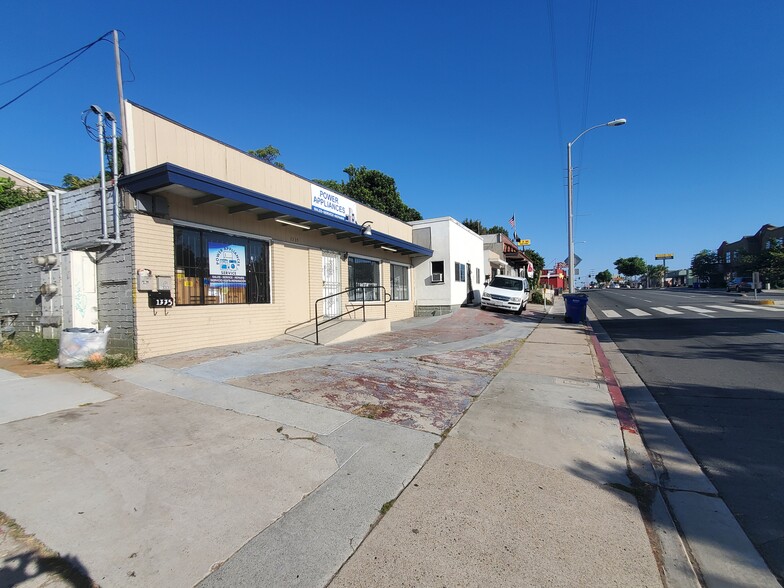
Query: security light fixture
{"points": [[96, 109], [109, 116], [613, 123], [366, 230], [388, 248], [285, 222]]}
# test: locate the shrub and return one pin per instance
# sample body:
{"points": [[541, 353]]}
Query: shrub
{"points": [[108, 361], [37, 349], [537, 297]]}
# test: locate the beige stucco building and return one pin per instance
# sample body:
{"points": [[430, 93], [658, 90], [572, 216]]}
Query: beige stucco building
{"points": [[233, 249]]}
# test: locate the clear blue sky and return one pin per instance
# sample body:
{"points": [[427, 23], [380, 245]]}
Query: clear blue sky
{"points": [[455, 100]]}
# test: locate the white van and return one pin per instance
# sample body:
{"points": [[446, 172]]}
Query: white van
{"points": [[506, 293]]}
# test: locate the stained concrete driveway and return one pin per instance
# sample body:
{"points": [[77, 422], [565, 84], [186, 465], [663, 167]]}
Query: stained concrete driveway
{"points": [[248, 461]]}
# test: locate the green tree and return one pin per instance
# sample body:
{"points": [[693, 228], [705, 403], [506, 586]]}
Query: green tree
{"points": [[269, 154], [631, 266], [375, 189], [771, 265], [538, 262], [73, 182], [496, 229], [604, 277], [655, 273], [11, 195], [705, 265], [475, 225]]}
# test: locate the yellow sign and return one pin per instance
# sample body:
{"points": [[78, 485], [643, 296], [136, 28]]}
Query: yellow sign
{"points": [[524, 242], [664, 256]]}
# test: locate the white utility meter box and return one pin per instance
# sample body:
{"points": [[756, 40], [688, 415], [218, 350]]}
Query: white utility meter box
{"points": [[165, 283]]}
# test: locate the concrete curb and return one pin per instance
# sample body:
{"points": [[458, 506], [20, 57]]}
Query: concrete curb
{"points": [[697, 540], [759, 302]]}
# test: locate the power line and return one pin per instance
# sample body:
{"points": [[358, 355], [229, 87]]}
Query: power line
{"points": [[73, 55], [589, 50], [554, 63]]}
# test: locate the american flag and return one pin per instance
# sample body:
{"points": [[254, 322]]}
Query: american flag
{"points": [[512, 221]]}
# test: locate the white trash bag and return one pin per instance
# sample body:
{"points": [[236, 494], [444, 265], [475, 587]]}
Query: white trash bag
{"points": [[79, 345]]}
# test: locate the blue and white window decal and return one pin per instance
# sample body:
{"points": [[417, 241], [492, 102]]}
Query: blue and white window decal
{"points": [[227, 265]]}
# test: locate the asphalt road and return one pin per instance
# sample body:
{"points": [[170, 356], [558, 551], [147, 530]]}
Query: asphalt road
{"points": [[717, 371]]}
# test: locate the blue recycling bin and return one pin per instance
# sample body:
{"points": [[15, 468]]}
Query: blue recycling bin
{"points": [[576, 306]]}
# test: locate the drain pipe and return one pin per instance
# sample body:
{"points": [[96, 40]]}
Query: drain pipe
{"points": [[58, 223], [115, 174], [101, 146], [50, 196]]}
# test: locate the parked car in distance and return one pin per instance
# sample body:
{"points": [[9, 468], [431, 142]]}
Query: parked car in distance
{"points": [[506, 293], [741, 285]]}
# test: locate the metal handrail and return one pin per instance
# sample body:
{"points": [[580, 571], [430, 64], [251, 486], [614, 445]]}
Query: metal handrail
{"points": [[353, 310]]}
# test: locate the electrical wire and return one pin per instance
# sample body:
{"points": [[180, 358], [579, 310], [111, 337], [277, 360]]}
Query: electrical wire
{"points": [[589, 52], [127, 57], [554, 63], [73, 55]]}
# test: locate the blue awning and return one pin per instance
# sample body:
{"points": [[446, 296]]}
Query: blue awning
{"points": [[203, 189]]}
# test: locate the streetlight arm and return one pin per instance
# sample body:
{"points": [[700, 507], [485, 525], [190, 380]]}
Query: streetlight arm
{"points": [[613, 123]]}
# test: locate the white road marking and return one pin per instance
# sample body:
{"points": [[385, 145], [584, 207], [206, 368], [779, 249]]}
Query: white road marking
{"points": [[611, 314], [665, 310], [638, 312], [770, 308], [776, 332], [696, 309], [730, 308]]}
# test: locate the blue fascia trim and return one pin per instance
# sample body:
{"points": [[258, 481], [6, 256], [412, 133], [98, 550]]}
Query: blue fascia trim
{"points": [[167, 174]]}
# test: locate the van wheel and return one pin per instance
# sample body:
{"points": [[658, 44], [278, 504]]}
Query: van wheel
{"points": [[482, 307], [520, 310]]}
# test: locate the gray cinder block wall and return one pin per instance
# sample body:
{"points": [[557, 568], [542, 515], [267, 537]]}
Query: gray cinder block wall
{"points": [[25, 233]]}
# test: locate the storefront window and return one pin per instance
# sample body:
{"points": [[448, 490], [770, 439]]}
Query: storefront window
{"points": [[363, 279], [216, 268], [399, 282]]}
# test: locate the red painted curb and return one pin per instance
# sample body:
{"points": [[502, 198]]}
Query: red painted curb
{"points": [[622, 409]]}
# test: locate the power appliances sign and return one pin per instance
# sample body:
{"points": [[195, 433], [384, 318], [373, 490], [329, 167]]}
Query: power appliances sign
{"points": [[327, 202]]}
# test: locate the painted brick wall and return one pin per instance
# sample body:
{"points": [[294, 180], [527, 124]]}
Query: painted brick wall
{"points": [[25, 233]]}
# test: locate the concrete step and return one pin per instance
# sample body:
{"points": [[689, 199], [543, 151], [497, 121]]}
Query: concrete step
{"points": [[340, 331]]}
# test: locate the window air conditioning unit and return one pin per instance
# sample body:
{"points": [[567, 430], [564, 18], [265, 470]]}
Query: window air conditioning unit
{"points": [[437, 278]]}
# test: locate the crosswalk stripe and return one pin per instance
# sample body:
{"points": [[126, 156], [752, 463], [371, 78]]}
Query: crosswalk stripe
{"points": [[730, 308], [638, 312], [665, 310], [696, 309], [611, 314], [770, 308]]}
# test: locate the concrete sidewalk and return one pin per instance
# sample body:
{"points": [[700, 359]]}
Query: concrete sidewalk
{"points": [[529, 489], [271, 464]]}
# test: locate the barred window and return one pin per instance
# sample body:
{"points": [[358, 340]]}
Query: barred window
{"points": [[363, 279], [399, 280], [216, 268]]}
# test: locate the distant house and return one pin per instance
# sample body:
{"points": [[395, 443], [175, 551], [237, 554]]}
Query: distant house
{"points": [[515, 262], [730, 254], [22, 181], [453, 276]]}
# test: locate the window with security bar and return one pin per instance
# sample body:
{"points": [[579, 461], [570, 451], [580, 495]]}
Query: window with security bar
{"points": [[217, 268]]}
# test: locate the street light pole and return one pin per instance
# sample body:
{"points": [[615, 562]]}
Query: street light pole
{"points": [[613, 123]]}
